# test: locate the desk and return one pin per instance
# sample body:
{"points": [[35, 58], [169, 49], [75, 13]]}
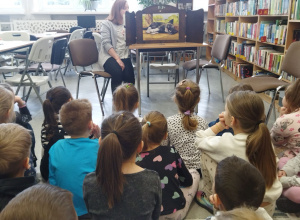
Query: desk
{"points": [[8, 46], [52, 34], [163, 47]]}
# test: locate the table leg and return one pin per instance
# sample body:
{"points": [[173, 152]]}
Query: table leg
{"points": [[138, 63]]}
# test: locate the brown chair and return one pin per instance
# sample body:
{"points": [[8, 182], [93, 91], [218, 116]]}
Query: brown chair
{"points": [[220, 50], [290, 65], [84, 53]]}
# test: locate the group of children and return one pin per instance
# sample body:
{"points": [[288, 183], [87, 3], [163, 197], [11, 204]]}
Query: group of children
{"points": [[150, 168]]}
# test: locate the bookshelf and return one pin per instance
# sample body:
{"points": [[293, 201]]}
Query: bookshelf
{"points": [[257, 30]]}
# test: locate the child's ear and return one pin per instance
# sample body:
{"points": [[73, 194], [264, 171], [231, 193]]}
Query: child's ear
{"points": [[136, 105], [165, 136], [215, 200], [140, 147], [26, 164], [90, 125], [99, 140]]}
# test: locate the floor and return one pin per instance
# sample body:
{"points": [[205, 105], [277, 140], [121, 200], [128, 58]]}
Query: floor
{"points": [[160, 99]]}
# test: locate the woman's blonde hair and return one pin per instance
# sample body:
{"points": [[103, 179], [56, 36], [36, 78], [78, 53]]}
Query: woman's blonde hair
{"points": [[292, 96], [187, 96], [248, 108], [154, 128], [42, 201], [125, 98], [6, 102], [15, 143]]}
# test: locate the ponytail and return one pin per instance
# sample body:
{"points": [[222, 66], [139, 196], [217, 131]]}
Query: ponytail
{"points": [[187, 97], [50, 121], [260, 153], [109, 169], [248, 108], [121, 135], [125, 98]]}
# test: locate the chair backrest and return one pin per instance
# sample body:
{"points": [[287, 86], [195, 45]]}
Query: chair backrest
{"points": [[88, 34], [59, 51], [97, 38], [291, 61], [77, 34], [41, 50], [72, 29], [59, 31], [15, 36], [220, 48], [83, 52]]}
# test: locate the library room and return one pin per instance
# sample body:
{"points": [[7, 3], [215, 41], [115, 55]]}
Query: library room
{"points": [[149, 109]]}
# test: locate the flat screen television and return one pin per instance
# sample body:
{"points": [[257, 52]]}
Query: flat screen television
{"points": [[86, 21]]}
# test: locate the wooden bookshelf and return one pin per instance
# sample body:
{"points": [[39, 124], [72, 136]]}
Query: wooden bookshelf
{"points": [[215, 6]]}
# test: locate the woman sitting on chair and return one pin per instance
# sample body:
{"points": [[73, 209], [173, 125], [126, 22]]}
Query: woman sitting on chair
{"points": [[114, 54]]}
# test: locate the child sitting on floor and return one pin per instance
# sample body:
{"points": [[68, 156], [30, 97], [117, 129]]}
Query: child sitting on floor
{"points": [[125, 98], [171, 168], [244, 113], [239, 191], [285, 132], [289, 176], [119, 189], [71, 159], [8, 115], [15, 142], [52, 130], [40, 202]]}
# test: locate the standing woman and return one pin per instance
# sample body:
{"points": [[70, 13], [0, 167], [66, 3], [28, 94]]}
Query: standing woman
{"points": [[114, 54]]}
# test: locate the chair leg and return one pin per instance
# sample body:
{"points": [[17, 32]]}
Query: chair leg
{"points": [[77, 90], [98, 93], [27, 96], [207, 81], [271, 105], [147, 74], [105, 89], [221, 84]]}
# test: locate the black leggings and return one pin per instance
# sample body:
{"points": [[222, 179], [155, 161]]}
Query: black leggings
{"points": [[113, 68]]}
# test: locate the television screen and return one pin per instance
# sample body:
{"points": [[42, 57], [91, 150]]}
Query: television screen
{"points": [[86, 21]]}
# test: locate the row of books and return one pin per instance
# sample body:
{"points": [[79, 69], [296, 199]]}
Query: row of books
{"points": [[248, 30], [273, 7], [220, 10], [220, 25], [273, 31], [241, 70], [245, 50], [239, 8], [269, 59], [295, 11]]}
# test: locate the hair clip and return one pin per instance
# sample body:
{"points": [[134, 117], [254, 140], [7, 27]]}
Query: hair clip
{"points": [[188, 88], [188, 112], [128, 85], [149, 124]]}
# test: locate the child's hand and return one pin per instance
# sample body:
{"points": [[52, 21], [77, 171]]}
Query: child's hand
{"points": [[283, 111], [281, 173], [19, 101], [96, 131], [222, 121], [212, 200]]}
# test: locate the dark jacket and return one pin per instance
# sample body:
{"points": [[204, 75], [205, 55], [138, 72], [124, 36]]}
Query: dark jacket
{"points": [[9, 188]]}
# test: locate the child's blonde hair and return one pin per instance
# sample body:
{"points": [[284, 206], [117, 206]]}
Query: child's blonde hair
{"points": [[125, 98], [248, 108], [15, 143], [42, 201], [292, 96], [240, 87], [6, 103], [75, 116], [187, 96], [154, 128]]}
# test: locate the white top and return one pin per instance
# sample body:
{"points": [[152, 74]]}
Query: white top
{"points": [[220, 147], [292, 168], [184, 140]]}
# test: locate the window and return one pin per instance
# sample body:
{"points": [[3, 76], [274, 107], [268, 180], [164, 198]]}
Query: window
{"points": [[200, 4], [70, 6], [11, 6]]}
